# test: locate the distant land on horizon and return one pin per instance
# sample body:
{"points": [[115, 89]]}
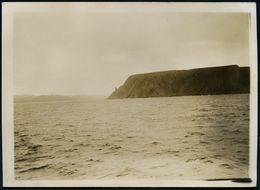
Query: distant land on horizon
{"points": [[230, 79], [49, 98]]}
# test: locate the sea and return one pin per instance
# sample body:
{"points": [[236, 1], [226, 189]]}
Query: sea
{"points": [[186, 137]]}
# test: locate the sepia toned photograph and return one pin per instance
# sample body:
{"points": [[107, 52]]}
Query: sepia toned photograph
{"points": [[129, 94]]}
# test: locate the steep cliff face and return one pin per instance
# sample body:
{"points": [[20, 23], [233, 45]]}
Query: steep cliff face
{"points": [[213, 80]]}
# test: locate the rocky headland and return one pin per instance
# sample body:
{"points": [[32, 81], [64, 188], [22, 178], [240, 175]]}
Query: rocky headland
{"points": [[230, 79]]}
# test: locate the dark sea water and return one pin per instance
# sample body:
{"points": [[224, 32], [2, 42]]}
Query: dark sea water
{"points": [[189, 137]]}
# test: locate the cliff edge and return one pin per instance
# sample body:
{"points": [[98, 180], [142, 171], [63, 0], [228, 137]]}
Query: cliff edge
{"points": [[230, 79]]}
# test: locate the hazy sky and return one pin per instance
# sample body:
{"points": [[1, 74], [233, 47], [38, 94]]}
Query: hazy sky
{"points": [[92, 53]]}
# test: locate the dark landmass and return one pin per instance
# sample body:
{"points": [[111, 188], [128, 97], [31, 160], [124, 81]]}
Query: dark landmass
{"points": [[230, 79], [51, 98]]}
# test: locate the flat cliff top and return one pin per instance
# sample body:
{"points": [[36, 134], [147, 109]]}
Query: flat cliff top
{"points": [[200, 81]]}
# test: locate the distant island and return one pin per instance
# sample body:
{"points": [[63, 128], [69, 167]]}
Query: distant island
{"points": [[230, 79]]}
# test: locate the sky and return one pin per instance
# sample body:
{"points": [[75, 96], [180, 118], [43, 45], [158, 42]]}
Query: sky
{"points": [[92, 53]]}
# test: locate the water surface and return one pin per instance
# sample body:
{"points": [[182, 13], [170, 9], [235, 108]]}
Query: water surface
{"points": [[188, 137]]}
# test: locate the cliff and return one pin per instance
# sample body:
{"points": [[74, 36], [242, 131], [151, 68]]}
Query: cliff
{"points": [[204, 81]]}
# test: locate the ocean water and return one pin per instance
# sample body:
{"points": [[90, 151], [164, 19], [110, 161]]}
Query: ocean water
{"points": [[188, 137]]}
